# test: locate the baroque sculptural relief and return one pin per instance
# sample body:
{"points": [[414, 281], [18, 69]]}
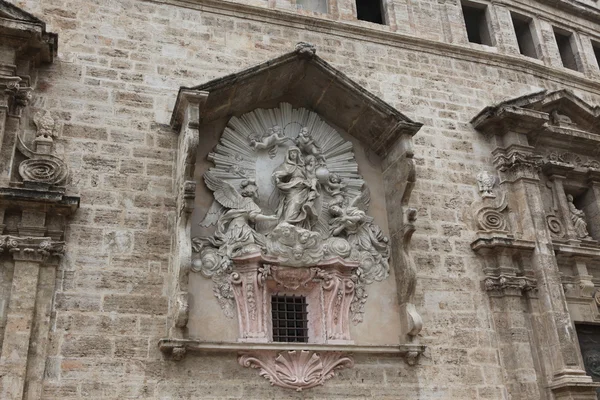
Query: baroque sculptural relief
{"points": [[286, 186]]}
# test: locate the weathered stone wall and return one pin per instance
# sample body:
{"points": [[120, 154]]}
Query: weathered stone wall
{"points": [[113, 87]]}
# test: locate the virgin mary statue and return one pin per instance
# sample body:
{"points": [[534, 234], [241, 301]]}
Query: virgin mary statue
{"points": [[298, 191]]}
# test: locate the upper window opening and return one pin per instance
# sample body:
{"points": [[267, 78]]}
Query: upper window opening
{"points": [[290, 319], [524, 31], [476, 23], [320, 6], [370, 10], [596, 47], [565, 47]]}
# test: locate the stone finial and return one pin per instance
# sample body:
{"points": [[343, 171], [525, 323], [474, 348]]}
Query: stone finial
{"points": [[44, 123], [305, 50], [485, 182]]}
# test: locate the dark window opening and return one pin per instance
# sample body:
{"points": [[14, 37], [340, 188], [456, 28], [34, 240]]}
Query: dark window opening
{"points": [[369, 10], [589, 343], [563, 40], [476, 23], [524, 31], [596, 47], [290, 318]]}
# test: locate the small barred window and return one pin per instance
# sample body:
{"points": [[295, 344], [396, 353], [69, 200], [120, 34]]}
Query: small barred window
{"points": [[290, 319]]}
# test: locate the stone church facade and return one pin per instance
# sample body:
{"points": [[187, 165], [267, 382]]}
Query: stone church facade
{"points": [[299, 199]]}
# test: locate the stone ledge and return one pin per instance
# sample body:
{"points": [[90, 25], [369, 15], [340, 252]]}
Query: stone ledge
{"points": [[404, 350], [42, 198]]}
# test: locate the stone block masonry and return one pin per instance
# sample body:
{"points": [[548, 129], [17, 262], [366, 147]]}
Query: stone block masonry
{"points": [[112, 89]]}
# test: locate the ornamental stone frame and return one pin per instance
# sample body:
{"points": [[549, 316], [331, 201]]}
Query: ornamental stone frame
{"points": [[33, 206], [302, 87], [539, 241]]}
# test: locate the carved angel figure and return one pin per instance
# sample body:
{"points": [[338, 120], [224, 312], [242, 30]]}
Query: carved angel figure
{"points": [[364, 236], [296, 206], [234, 234], [335, 188], [577, 217], [269, 141], [307, 144]]}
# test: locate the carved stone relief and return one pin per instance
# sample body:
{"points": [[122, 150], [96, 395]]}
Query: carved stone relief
{"points": [[290, 216], [488, 212], [297, 369], [286, 185]]}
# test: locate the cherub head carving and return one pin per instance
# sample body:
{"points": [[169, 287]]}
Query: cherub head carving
{"points": [[249, 189]]}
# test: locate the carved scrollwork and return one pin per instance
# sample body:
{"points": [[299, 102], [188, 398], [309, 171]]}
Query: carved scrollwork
{"points": [[297, 370], [555, 226], [52, 171], [41, 166], [489, 215], [491, 220]]}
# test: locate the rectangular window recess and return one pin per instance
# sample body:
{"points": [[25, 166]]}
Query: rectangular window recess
{"points": [[290, 318], [565, 47], [476, 23], [370, 10], [524, 31], [319, 6], [596, 47], [589, 343]]}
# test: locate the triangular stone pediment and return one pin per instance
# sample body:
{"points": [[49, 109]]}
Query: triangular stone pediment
{"points": [[556, 119], [305, 80], [27, 34], [9, 11]]}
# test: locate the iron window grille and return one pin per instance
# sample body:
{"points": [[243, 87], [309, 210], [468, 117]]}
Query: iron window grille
{"points": [[290, 318]]}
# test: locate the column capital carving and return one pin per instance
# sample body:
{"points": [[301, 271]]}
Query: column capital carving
{"points": [[517, 162], [36, 249], [506, 285]]}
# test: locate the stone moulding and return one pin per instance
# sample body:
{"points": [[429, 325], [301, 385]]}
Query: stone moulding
{"points": [[175, 347]]}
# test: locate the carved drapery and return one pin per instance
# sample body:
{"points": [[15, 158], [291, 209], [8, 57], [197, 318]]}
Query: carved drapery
{"points": [[290, 208], [544, 153]]}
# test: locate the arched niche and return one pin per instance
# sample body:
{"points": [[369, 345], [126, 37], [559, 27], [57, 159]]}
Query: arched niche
{"points": [[237, 137]]}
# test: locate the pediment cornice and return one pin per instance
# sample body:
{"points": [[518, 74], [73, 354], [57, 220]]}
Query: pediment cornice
{"points": [[27, 34], [305, 80]]}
